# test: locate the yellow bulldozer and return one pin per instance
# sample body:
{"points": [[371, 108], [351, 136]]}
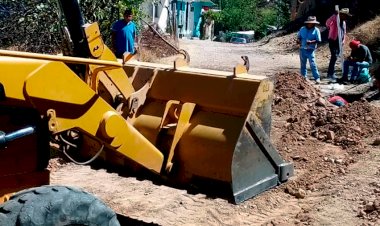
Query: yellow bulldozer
{"points": [[191, 126]]}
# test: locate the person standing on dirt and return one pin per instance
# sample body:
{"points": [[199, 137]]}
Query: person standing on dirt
{"points": [[360, 58], [124, 35], [332, 26], [308, 37]]}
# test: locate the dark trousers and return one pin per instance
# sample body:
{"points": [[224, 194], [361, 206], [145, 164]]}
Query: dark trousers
{"points": [[334, 50]]}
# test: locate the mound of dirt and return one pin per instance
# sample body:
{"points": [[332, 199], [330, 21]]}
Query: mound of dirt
{"points": [[152, 44], [349, 124], [286, 42], [291, 90], [346, 126], [308, 114]]}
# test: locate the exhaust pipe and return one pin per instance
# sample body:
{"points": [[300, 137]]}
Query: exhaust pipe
{"points": [[75, 22]]}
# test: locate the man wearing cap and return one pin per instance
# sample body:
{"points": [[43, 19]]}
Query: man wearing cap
{"points": [[332, 26], [308, 37], [360, 58]]}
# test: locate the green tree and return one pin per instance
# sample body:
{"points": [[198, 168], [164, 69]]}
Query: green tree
{"points": [[254, 15], [34, 25]]}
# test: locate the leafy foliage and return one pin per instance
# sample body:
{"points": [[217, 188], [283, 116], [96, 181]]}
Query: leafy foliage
{"points": [[257, 15], [29, 24], [35, 25]]}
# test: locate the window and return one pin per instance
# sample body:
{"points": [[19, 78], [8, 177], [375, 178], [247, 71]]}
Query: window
{"points": [[156, 10]]}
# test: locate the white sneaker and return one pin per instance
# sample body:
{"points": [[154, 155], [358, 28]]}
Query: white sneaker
{"points": [[318, 81], [332, 80]]}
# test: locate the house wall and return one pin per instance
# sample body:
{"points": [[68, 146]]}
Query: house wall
{"points": [[184, 18], [159, 14], [197, 15], [188, 15]]}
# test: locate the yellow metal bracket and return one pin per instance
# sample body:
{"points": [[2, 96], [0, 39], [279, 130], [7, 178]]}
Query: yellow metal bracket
{"points": [[240, 69], [95, 42], [53, 124], [178, 63], [170, 108], [138, 98], [184, 117], [94, 75], [127, 57]]}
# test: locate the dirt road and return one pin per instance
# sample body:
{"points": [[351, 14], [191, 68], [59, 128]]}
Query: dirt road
{"points": [[333, 191], [224, 56]]}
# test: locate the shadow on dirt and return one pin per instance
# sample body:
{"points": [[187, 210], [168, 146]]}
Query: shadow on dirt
{"points": [[124, 220]]}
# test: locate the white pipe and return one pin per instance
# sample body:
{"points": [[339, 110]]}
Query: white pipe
{"points": [[153, 11]]}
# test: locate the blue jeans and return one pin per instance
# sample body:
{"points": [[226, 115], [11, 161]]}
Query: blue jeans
{"points": [[356, 67], [308, 54]]}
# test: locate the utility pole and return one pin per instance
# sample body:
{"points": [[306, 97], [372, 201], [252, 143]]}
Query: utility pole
{"points": [[174, 19]]}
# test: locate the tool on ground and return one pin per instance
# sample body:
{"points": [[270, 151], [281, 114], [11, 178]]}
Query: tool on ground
{"points": [[340, 38], [246, 62]]}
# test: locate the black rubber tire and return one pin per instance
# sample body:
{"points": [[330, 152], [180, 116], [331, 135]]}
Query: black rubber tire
{"points": [[55, 205]]}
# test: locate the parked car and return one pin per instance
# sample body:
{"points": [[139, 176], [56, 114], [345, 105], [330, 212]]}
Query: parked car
{"points": [[237, 40]]}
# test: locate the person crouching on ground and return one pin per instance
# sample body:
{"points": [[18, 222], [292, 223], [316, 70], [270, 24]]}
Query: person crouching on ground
{"points": [[308, 37], [360, 58]]}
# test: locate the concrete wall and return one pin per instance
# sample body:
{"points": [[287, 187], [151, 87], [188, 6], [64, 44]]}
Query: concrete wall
{"points": [[156, 12]]}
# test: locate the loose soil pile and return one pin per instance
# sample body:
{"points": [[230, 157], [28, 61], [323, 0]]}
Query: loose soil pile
{"points": [[313, 132], [292, 90], [151, 44], [308, 114], [286, 42]]}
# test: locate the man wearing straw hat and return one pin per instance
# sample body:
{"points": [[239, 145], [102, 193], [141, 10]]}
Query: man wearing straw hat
{"points": [[334, 44], [308, 37]]}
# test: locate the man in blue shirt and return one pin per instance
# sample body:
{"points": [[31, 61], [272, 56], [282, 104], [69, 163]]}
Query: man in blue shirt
{"points": [[124, 35], [308, 37]]}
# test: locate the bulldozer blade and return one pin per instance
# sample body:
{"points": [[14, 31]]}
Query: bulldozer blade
{"points": [[255, 153], [222, 139]]}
